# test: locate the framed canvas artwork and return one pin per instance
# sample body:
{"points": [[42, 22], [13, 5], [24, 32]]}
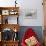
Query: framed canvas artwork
{"points": [[5, 12], [30, 13]]}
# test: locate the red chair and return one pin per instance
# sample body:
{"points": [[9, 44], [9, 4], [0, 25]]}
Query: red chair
{"points": [[29, 33]]}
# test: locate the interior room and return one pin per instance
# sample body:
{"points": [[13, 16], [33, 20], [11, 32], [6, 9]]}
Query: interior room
{"points": [[22, 23]]}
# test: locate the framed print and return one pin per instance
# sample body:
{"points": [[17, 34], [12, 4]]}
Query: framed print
{"points": [[31, 14], [5, 12]]}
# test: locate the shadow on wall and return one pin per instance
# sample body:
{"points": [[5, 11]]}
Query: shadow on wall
{"points": [[37, 29]]}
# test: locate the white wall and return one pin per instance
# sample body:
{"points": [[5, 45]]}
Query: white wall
{"points": [[26, 5], [31, 4], [7, 3]]}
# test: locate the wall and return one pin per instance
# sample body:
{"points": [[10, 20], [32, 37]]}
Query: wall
{"points": [[7, 3], [27, 5]]}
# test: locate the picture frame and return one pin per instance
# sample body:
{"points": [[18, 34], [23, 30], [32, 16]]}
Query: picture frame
{"points": [[31, 14], [5, 12]]}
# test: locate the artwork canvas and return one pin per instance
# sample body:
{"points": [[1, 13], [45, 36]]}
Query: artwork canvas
{"points": [[30, 13], [5, 12]]}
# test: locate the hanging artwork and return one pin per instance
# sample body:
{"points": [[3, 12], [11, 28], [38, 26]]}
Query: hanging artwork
{"points": [[5, 12], [30, 13]]}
